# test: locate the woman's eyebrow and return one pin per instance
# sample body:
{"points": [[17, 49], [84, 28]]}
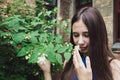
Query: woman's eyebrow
{"points": [[74, 32], [85, 32]]}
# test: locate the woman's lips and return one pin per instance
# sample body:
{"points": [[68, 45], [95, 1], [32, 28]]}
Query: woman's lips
{"points": [[82, 48]]}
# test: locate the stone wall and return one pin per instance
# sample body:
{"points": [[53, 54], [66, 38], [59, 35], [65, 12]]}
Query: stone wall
{"points": [[106, 9], [65, 10]]}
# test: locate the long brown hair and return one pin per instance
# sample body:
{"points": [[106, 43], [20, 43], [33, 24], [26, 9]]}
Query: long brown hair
{"points": [[98, 48]]}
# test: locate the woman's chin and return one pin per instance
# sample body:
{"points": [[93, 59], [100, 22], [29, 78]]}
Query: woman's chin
{"points": [[84, 52]]}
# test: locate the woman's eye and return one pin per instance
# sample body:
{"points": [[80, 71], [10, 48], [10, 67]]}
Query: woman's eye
{"points": [[75, 34], [86, 35]]}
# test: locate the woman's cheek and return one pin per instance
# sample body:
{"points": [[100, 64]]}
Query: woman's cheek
{"points": [[75, 40]]}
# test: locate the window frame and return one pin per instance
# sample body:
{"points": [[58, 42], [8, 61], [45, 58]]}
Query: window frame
{"points": [[116, 21], [79, 5], [51, 5]]}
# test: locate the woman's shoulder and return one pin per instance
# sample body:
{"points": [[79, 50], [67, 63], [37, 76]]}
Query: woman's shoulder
{"points": [[115, 67], [115, 64]]}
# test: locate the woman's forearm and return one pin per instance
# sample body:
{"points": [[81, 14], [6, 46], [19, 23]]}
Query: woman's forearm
{"points": [[47, 76]]}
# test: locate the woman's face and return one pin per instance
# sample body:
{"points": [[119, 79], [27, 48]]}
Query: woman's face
{"points": [[81, 36]]}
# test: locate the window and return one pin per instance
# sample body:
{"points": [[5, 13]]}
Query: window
{"points": [[117, 20], [51, 4], [116, 45], [83, 3]]}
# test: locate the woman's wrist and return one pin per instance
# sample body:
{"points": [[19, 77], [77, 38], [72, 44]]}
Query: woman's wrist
{"points": [[47, 76]]}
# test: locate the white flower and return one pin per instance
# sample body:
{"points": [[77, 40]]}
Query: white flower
{"points": [[41, 59], [28, 56], [53, 64], [77, 47]]}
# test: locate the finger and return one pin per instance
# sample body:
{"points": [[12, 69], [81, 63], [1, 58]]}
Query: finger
{"points": [[75, 62], [76, 52], [78, 57], [88, 64]]}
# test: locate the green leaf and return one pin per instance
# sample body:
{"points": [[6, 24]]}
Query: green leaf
{"points": [[1, 33], [33, 36], [18, 37], [48, 13], [24, 51], [33, 39], [5, 34], [59, 58], [69, 48], [50, 52], [13, 23], [57, 46], [62, 49], [5, 41], [51, 38], [67, 56], [33, 58], [51, 55], [43, 37], [58, 39], [50, 46], [34, 33]]}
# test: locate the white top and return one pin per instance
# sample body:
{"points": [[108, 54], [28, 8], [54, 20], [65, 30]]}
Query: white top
{"points": [[115, 66]]}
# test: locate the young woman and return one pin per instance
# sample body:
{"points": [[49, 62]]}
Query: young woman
{"points": [[92, 59]]}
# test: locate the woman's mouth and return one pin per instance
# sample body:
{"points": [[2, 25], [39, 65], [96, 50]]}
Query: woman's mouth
{"points": [[82, 48]]}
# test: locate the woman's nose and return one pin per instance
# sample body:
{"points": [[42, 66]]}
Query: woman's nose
{"points": [[80, 41]]}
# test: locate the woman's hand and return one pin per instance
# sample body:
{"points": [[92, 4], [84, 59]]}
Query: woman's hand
{"points": [[83, 73], [44, 64]]}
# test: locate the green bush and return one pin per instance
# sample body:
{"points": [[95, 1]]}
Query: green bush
{"points": [[30, 37]]}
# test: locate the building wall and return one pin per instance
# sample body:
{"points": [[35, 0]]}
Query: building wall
{"points": [[66, 9], [106, 9]]}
